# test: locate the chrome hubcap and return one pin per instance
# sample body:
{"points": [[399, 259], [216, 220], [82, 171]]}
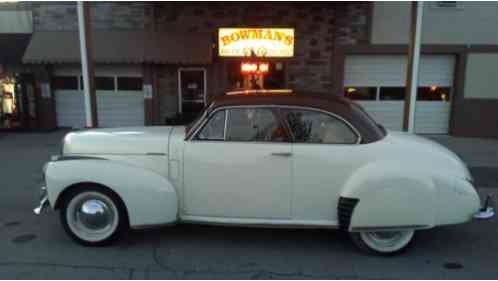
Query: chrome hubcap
{"points": [[94, 214]]}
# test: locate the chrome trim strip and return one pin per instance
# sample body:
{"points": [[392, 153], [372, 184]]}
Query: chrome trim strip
{"points": [[75, 157], [155, 154]]}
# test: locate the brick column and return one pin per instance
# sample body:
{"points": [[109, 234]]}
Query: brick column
{"points": [[46, 106], [151, 100]]}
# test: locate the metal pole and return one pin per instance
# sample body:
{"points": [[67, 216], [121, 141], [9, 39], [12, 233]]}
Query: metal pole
{"points": [[87, 65], [413, 66]]}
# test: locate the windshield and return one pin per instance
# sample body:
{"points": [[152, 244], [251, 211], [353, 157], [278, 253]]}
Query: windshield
{"points": [[196, 121]]}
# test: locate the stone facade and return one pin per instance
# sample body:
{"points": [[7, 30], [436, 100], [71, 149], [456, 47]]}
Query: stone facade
{"points": [[319, 28], [62, 16]]}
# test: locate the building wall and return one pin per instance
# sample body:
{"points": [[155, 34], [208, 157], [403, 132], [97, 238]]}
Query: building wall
{"points": [[319, 28], [481, 69], [468, 23], [62, 16]]}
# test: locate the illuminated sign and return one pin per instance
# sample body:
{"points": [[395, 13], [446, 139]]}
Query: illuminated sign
{"points": [[263, 42]]}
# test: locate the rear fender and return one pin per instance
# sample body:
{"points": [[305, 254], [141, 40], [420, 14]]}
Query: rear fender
{"points": [[150, 198], [391, 196]]}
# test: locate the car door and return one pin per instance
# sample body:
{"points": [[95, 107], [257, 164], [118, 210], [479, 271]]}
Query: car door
{"points": [[323, 159], [238, 165]]}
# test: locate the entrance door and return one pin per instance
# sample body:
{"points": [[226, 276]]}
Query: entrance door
{"points": [[192, 91], [241, 170]]}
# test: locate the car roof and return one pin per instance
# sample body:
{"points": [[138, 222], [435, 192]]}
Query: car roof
{"points": [[328, 102], [324, 101]]}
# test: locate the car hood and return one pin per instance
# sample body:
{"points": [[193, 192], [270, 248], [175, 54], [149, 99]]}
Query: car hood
{"points": [[428, 152], [126, 140]]}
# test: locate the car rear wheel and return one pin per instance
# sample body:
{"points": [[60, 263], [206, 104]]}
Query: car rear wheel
{"points": [[383, 242], [93, 216]]}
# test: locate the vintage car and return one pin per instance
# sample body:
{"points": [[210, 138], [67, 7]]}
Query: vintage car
{"points": [[261, 158]]}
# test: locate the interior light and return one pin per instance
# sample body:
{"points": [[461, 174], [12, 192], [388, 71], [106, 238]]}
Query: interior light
{"points": [[264, 67], [350, 90], [248, 67], [433, 88]]}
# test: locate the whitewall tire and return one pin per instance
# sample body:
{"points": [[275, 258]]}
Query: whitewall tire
{"points": [[93, 216], [383, 242]]}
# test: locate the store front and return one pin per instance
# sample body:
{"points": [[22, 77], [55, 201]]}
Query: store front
{"points": [[17, 92], [256, 58]]}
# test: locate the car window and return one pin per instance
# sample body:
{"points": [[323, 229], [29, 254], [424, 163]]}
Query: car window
{"points": [[254, 124], [309, 126], [214, 128]]}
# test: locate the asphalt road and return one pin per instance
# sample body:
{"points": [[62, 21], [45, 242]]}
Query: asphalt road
{"points": [[36, 247]]}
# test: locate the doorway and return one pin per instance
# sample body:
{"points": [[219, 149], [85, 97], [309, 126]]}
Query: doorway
{"points": [[192, 88]]}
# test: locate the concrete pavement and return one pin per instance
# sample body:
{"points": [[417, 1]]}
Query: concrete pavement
{"points": [[36, 247]]}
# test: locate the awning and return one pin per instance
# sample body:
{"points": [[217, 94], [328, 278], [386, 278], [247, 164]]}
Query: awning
{"points": [[12, 47], [122, 47]]}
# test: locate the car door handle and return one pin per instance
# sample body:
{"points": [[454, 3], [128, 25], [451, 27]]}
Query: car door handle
{"points": [[283, 154]]}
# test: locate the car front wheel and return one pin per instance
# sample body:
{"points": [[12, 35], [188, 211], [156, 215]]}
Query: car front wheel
{"points": [[383, 242], [93, 216]]}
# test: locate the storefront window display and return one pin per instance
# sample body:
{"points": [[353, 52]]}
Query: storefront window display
{"points": [[8, 103]]}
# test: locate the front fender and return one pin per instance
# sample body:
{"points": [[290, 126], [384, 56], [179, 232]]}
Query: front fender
{"points": [[150, 198], [391, 195]]}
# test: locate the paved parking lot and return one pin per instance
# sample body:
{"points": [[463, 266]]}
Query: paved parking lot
{"points": [[37, 247]]}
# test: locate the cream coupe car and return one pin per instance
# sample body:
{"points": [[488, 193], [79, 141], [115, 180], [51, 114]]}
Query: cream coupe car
{"points": [[260, 158]]}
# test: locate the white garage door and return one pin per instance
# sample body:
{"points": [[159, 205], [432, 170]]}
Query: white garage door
{"points": [[115, 109], [377, 83], [120, 98]]}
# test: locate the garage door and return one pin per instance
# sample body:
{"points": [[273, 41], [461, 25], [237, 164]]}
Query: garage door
{"points": [[120, 101], [377, 83]]}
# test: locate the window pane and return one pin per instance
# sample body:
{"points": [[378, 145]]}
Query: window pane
{"points": [[360, 93], [65, 83], [104, 83], [254, 124], [130, 83], [315, 127], [215, 128], [392, 93], [433, 93]]}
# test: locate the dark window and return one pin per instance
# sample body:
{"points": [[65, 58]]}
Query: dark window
{"points": [[104, 83], [65, 83], [433, 93], [360, 93], [214, 128], [392, 93], [315, 127], [130, 84], [254, 124]]}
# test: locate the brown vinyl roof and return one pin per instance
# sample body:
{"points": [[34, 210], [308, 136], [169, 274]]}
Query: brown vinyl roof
{"points": [[122, 47], [347, 109]]}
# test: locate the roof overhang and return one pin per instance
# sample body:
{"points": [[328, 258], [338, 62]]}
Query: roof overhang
{"points": [[121, 47], [12, 47]]}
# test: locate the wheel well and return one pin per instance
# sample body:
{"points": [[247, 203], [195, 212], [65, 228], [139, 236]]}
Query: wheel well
{"points": [[72, 188]]}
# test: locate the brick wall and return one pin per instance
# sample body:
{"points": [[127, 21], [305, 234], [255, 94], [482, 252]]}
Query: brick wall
{"points": [[318, 28], [62, 16]]}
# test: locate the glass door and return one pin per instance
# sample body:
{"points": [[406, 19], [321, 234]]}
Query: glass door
{"points": [[192, 91]]}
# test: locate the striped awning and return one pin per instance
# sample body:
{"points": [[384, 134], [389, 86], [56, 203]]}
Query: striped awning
{"points": [[121, 47]]}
